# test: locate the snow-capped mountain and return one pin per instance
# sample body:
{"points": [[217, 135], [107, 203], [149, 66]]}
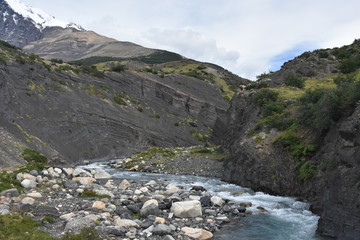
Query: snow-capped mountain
{"points": [[21, 24], [38, 16]]}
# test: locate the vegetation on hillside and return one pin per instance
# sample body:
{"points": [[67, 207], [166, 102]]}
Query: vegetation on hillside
{"points": [[304, 109], [157, 57]]}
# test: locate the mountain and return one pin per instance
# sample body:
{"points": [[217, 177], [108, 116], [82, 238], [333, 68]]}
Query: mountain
{"points": [[21, 24], [297, 132]]}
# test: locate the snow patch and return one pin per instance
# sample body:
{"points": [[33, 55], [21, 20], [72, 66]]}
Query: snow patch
{"points": [[5, 14], [38, 16]]}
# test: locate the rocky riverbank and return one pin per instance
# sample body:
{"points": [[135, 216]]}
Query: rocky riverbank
{"points": [[66, 200], [196, 161]]}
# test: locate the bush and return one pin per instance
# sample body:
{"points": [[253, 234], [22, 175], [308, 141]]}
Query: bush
{"points": [[294, 81], [349, 65], [35, 161], [307, 170], [56, 60], [118, 68], [119, 99], [266, 95], [256, 85], [272, 107]]}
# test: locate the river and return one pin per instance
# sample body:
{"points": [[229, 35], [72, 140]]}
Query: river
{"points": [[287, 219]]}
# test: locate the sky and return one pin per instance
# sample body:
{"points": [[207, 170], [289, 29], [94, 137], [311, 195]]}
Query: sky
{"points": [[247, 37]]}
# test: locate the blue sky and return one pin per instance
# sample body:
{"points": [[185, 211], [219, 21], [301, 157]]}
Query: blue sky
{"points": [[248, 37]]}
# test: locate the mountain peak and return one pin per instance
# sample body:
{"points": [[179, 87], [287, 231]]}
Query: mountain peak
{"points": [[40, 18]]}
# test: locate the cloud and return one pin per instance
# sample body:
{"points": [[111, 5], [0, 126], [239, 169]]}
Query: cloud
{"points": [[248, 37]]}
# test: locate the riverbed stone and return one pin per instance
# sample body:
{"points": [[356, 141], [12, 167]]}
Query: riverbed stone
{"points": [[197, 233], [79, 172], [13, 192], [124, 185], [217, 201], [171, 189], [101, 174], [75, 225], [84, 180], [28, 200], [34, 195], [27, 183], [150, 207], [125, 223], [98, 205], [162, 229], [187, 209]]}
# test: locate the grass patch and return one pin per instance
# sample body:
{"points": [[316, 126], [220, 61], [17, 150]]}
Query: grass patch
{"points": [[91, 89], [153, 152], [21, 227], [88, 193], [119, 98], [211, 152], [201, 137]]}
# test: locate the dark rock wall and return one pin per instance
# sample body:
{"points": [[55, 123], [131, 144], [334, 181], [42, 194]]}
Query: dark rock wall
{"points": [[334, 192], [58, 114]]}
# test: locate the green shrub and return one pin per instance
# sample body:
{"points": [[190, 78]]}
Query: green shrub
{"points": [[294, 81], [8, 181], [280, 121], [272, 107], [118, 68], [88, 193], [323, 53], [21, 227], [56, 60], [265, 95], [349, 65], [91, 70], [35, 161], [201, 137], [91, 89], [257, 85], [307, 170], [119, 98]]}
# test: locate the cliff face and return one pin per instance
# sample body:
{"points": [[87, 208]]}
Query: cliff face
{"points": [[256, 161], [74, 116]]}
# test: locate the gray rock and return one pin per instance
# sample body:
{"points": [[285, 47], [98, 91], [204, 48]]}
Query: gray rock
{"points": [[150, 207], [79, 172], [34, 172], [13, 192], [162, 229], [217, 201], [125, 223], [101, 174], [168, 237], [75, 225], [187, 209], [27, 183], [43, 211]]}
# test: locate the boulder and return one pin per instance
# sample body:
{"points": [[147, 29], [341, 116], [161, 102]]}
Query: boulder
{"points": [[198, 188], [13, 192], [187, 209], [67, 216], [162, 229], [124, 185], [79, 172], [28, 184], [125, 223], [101, 174], [84, 180], [75, 225], [197, 233], [217, 201], [98, 205], [205, 201], [150, 207], [34, 195], [171, 189], [28, 200]]}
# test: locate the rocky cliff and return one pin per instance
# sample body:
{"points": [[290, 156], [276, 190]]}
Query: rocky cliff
{"points": [[72, 113], [268, 154]]}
